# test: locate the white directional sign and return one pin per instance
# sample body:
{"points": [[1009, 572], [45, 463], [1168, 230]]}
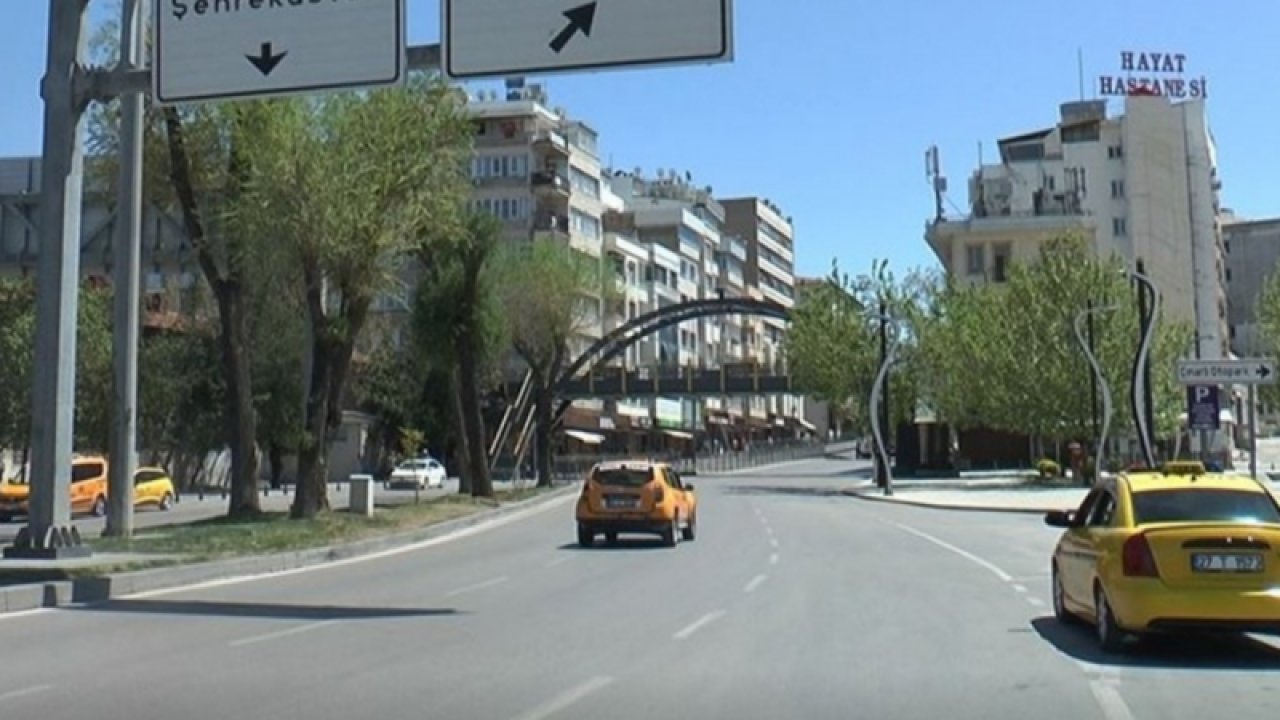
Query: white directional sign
{"points": [[1245, 371], [496, 38], [237, 49]]}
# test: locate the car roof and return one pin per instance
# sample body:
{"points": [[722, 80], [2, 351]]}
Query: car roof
{"points": [[1185, 476], [636, 464]]}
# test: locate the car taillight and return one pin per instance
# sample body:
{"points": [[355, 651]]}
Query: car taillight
{"points": [[658, 496], [1136, 558]]}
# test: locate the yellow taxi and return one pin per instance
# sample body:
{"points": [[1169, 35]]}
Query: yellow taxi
{"points": [[88, 489], [1167, 550], [152, 486], [636, 496]]}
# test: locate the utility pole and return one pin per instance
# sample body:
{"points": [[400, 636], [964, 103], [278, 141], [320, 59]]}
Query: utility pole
{"points": [[1140, 400], [1093, 377], [126, 252], [882, 471], [49, 532]]}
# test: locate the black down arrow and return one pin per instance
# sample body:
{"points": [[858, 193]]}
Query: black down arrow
{"points": [[265, 60]]}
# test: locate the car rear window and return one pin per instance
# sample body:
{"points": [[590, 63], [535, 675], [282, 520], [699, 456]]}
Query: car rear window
{"points": [[1162, 506], [81, 472], [619, 477], [143, 476]]}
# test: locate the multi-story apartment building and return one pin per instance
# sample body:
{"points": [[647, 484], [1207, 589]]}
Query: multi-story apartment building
{"points": [[1143, 186], [1252, 249], [769, 241]]}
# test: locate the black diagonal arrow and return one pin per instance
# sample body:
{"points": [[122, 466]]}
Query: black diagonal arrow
{"points": [[265, 60], [1263, 371], [580, 18]]}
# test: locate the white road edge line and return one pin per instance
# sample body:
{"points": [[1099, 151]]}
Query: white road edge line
{"points": [[391, 552], [1020, 588], [773, 559], [698, 624], [478, 586], [24, 613], [23, 692], [255, 639], [567, 698], [755, 583], [995, 569]]}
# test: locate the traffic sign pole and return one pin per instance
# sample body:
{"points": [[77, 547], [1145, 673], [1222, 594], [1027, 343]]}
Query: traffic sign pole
{"points": [[126, 252], [1253, 431], [49, 533]]}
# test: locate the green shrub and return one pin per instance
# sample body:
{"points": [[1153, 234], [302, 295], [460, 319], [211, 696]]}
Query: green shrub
{"points": [[1048, 468]]}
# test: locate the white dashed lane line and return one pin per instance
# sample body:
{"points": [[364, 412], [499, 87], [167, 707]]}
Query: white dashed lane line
{"points": [[755, 583], [698, 624]]}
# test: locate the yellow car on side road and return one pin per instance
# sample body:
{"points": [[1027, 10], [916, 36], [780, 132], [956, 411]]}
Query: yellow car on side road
{"points": [[1166, 550], [636, 496]]}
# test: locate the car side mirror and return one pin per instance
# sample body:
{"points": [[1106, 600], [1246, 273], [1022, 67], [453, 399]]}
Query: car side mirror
{"points": [[688, 487], [689, 473], [1060, 519]]}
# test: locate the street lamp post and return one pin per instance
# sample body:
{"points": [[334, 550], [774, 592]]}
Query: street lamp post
{"points": [[1141, 400], [1099, 381], [879, 395]]}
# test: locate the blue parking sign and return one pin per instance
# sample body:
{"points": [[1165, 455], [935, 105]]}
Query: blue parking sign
{"points": [[1202, 407]]}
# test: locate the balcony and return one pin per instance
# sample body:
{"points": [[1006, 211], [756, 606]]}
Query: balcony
{"points": [[551, 142], [546, 182]]}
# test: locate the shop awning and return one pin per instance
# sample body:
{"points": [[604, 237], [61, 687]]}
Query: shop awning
{"points": [[679, 434], [807, 425], [586, 437]]}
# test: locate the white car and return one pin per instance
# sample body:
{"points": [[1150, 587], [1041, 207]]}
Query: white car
{"points": [[422, 473]]}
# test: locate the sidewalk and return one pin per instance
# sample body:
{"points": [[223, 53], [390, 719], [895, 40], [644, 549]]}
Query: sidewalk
{"points": [[1009, 499]]}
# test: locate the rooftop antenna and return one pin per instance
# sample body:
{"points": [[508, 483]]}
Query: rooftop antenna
{"points": [[934, 175], [1080, 70]]}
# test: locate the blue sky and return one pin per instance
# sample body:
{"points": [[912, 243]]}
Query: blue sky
{"points": [[830, 104]]}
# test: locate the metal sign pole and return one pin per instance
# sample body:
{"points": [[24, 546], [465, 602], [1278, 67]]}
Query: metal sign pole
{"points": [[126, 251], [877, 396], [49, 532], [1253, 431]]}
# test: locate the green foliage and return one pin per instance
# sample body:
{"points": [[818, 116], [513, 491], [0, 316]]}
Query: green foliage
{"points": [[180, 392], [550, 294], [830, 350], [1268, 315], [1006, 355], [1048, 468]]}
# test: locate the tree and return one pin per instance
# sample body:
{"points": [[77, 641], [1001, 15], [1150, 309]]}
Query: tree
{"points": [[550, 294], [348, 182], [459, 330], [830, 352]]}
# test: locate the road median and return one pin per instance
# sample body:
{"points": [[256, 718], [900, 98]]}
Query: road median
{"points": [[273, 547], [1021, 501]]}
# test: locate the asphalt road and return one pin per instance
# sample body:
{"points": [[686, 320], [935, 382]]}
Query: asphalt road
{"points": [[192, 508], [793, 602]]}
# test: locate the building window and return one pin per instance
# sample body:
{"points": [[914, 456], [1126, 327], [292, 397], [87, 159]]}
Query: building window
{"points": [[1226, 245], [1228, 273], [975, 260], [1000, 261], [1117, 188], [1115, 151], [1119, 227]]}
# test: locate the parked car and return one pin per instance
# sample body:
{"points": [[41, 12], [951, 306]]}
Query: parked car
{"points": [[422, 473]]}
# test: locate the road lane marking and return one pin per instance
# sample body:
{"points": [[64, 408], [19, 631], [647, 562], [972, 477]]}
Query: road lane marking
{"points": [[468, 531], [255, 639], [1020, 588], [1106, 692], [478, 586], [1035, 601], [567, 698], [24, 613], [773, 541], [560, 561], [755, 583], [773, 559], [698, 624], [1006, 577], [24, 692]]}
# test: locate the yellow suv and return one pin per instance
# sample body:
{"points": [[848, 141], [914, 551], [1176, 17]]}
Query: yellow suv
{"points": [[636, 496], [88, 489]]}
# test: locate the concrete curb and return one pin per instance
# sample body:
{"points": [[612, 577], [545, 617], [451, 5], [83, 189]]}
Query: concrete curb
{"points": [[57, 593], [899, 500]]}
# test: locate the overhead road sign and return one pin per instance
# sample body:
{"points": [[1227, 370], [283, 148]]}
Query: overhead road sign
{"points": [[502, 38], [1244, 371], [208, 50]]}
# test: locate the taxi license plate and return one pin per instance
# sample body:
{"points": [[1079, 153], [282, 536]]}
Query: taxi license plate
{"points": [[615, 503], [1227, 562]]}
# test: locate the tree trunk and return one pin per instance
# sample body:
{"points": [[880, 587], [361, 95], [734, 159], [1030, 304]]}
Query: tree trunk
{"points": [[472, 422], [542, 430], [240, 421], [311, 493], [238, 413], [464, 457]]}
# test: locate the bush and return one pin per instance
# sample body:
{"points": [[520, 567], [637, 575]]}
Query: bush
{"points": [[1048, 468]]}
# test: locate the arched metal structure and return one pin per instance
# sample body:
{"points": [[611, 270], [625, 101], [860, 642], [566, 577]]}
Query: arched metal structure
{"points": [[618, 340]]}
